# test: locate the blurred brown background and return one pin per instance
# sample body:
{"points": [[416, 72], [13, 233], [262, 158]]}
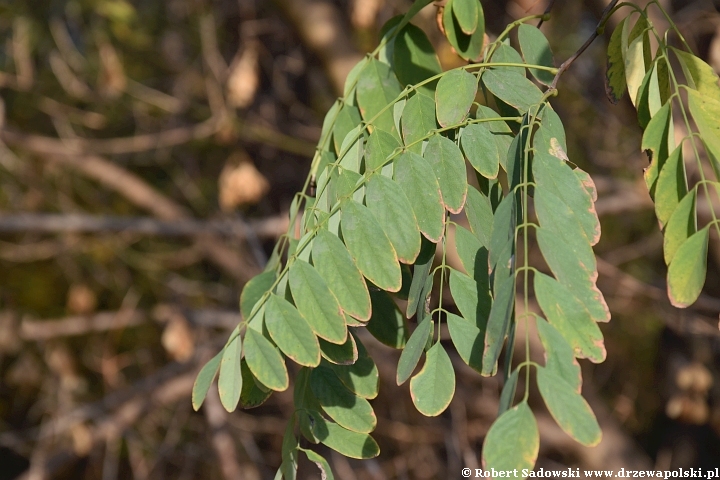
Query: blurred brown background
{"points": [[149, 151]]}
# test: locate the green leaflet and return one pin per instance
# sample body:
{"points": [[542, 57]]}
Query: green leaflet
{"points": [[498, 324], [351, 444], [417, 179], [413, 350], [634, 56], [503, 230], [556, 216], [322, 464], [655, 139], [680, 226], [414, 58], [467, 13], [513, 441], [361, 378], [468, 47], [387, 323], [550, 136], [654, 91], [505, 53], [344, 354], [536, 51], [671, 186], [253, 393], [479, 146], [230, 378], [204, 380], [686, 273], [393, 211], [568, 408], [352, 149], [553, 175], [433, 387], [327, 127], [418, 120], [471, 298], [468, 338], [380, 146], [289, 465], [572, 274], [508, 392], [587, 182], [454, 96], [480, 215], [348, 118], [513, 89], [705, 112], [265, 361], [699, 75], [502, 134], [351, 80], [568, 315], [559, 356], [421, 270], [615, 77], [254, 290], [448, 164], [290, 332], [316, 303], [378, 87], [473, 255], [348, 410], [377, 259], [335, 265]]}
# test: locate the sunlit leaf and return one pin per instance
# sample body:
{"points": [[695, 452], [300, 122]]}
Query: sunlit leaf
{"points": [[433, 387], [343, 354], [322, 464], [513, 89], [479, 146], [417, 179], [361, 378], [351, 444], [615, 77], [569, 409], [413, 350], [343, 406], [265, 361], [378, 87], [204, 380], [254, 290], [686, 273], [671, 186], [467, 13], [480, 215], [502, 134], [468, 336], [706, 111], [699, 75], [380, 146], [230, 378], [448, 164], [454, 95], [414, 58], [655, 141], [316, 303], [536, 51], [513, 441], [418, 120], [347, 119], [559, 355], [468, 47], [290, 332], [680, 226]]}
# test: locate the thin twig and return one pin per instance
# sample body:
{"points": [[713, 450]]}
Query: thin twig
{"points": [[566, 64], [546, 12]]}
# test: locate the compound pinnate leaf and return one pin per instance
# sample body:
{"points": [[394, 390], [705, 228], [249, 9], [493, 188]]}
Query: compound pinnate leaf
{"points": [[343, 354], [559, 356], [335, 265], [615, 77], [204, 380], [418, 120], [230, 378], [254, 290], [536, 51], [454, 96], [468, 338], [498, 324], [569, 316], [433, 387], [468, 47], [393, 211], [686, 273], [376, 259], [554, 175], [513, 441], [417, 179], [480, 215], [265, 361], [706, 111], [378, 87], [316, 303], [343, 406], [479, 146], [349, 443], [467, 13], [413, 350], [671, 186], [448, 164], [569, 409], [387, 323], [515, 90], [680, 226], [290, 332]]}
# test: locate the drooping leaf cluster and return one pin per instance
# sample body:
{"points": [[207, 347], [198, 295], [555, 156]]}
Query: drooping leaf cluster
{"points": [[403, 155]]}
